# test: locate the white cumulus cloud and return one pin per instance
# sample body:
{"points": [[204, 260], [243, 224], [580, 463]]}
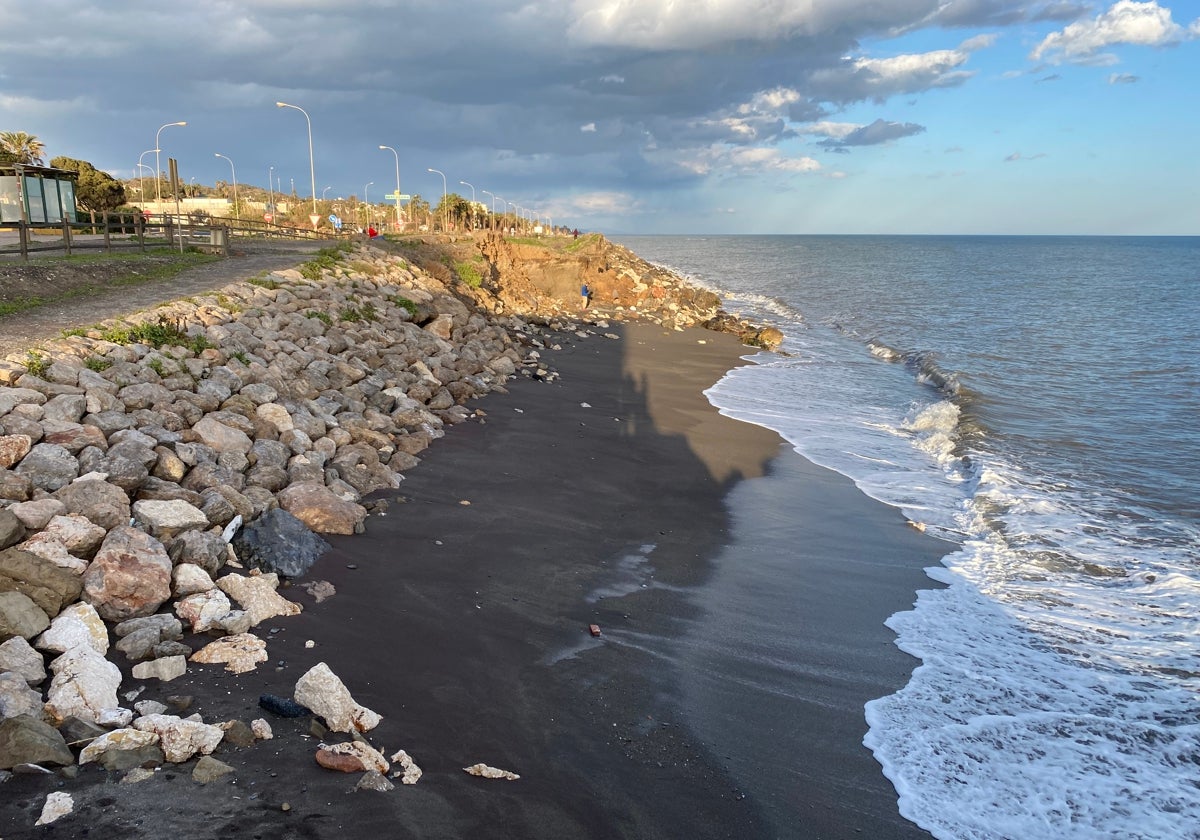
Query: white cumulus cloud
{"points": [[1127, 22]]}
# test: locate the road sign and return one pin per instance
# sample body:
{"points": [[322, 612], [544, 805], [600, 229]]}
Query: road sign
{"points": [[267, 217], [335, 221], [393, 197], [314, 218]]}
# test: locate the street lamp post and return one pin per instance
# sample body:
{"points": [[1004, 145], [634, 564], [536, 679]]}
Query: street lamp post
{"points": [[367, 203], [327, 189], [443, 174], [396, 155], [236, 214], [492, 221], [157, 161], [312, 170], [271, 191], [465, 184]]}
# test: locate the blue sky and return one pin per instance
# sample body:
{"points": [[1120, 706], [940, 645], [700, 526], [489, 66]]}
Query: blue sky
{"points": [[647, 116]]}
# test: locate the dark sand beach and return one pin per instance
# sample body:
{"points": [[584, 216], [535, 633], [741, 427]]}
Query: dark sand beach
{"points": [[614, 496]]}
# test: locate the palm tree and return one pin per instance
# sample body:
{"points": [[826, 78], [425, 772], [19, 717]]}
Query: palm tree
{"points": [[25, 148]]}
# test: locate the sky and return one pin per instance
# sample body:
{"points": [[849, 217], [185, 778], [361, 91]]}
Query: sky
{"points": [[644, 116]]}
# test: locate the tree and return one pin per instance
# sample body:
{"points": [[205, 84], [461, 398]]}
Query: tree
{"points": [[24, 148], [95, 191]]}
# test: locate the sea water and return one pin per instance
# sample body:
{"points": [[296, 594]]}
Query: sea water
{"points": [[1035, 402]]}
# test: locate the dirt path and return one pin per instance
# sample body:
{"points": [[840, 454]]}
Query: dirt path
{"points": [[22, 331]]}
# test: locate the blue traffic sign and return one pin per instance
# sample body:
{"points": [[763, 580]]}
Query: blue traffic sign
{"points": [[335, 221]]}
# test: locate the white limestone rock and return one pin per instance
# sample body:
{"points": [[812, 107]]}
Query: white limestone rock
{"points": [[166, 519], [166, 668], [58, 805], [84, 686], [320, 690], [78, 624], [257, 596], [239, 653], [181, 738]]}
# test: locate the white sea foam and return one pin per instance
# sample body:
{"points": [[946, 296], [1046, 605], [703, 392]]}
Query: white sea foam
{"points": [[1058, 694]]}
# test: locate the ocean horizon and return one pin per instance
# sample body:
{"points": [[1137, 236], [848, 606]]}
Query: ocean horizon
{"points": [[1030, 400]]}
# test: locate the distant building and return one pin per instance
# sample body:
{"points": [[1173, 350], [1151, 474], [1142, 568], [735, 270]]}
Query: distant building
{"points": [[36, 194]]}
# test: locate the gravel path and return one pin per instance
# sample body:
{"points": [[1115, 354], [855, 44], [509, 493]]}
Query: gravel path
{"points": [[23, 330]]}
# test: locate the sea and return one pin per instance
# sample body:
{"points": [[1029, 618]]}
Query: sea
{"points": [[1034, 402]]}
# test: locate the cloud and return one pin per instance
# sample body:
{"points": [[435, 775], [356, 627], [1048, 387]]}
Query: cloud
{"points": [[857, 79], [589, 128], [1126, 22], [880, 131], [1122, 78], [671, 25], [1053, 77], [1016, 156]]}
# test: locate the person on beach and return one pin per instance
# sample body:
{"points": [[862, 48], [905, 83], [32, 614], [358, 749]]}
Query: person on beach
{"points": [[585, 295]]}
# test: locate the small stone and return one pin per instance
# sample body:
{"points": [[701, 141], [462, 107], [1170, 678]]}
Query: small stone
{"points": [[58, 804], [486, 772], [209, 769]]}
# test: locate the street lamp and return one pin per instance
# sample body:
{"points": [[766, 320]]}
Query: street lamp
{"points": [[271, 191], [312, 170], [465, 184], [157, 162], [492, 221], [367, 203], [396, 155], [443, 174], [327, 189], [236, 215]]}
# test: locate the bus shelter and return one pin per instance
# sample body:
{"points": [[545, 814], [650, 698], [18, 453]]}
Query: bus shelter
{"points": [[36, 194]]}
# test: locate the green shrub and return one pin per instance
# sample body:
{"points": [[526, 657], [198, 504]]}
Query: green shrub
{"points": [[36, 363], [323, 317], [96, 363], [264, 282], [404, 303], [241, 357], [468, 272]]}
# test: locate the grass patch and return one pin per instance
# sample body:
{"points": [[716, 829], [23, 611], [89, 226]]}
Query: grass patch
{"points": [[524, 240], [583, 242], [264, 282], [36, 364], [468, 272], [120, 270], [96, 363], [325, 259], [323, 317], [354, 314], [404, 303], [157, 334]]}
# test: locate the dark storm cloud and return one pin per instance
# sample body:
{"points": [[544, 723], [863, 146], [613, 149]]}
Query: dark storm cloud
{"points": [[495, 90]]}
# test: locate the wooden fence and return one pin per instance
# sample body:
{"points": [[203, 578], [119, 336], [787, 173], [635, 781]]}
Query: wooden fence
{"points": [[124, 231]]}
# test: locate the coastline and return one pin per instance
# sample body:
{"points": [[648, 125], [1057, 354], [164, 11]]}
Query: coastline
{"points": [[598, 498]]}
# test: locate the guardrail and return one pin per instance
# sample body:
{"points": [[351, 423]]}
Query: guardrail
{"points": [[113, 232]]}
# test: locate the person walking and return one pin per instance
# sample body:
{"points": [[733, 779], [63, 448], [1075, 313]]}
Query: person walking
{"points": [[585, 296]]}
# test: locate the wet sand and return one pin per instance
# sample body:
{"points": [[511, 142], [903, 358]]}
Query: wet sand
{"points": [[462, 617]]}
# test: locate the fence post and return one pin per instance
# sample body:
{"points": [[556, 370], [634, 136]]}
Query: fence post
{"points": [[66, 225], [107, 226], [23, 235]]}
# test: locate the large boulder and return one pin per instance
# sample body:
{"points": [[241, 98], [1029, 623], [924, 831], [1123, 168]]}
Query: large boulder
{"points": [[321, 509], [166, 519], [26, 740], [48, 466], [48, 586], [179, 738], [12, 529], [130, 576], [104, 504], [84, 686], [78, 624], [20, 617], [279, 542], [17, 698], [17, 656], [123, 749], [257, 596], [320, 690]]}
